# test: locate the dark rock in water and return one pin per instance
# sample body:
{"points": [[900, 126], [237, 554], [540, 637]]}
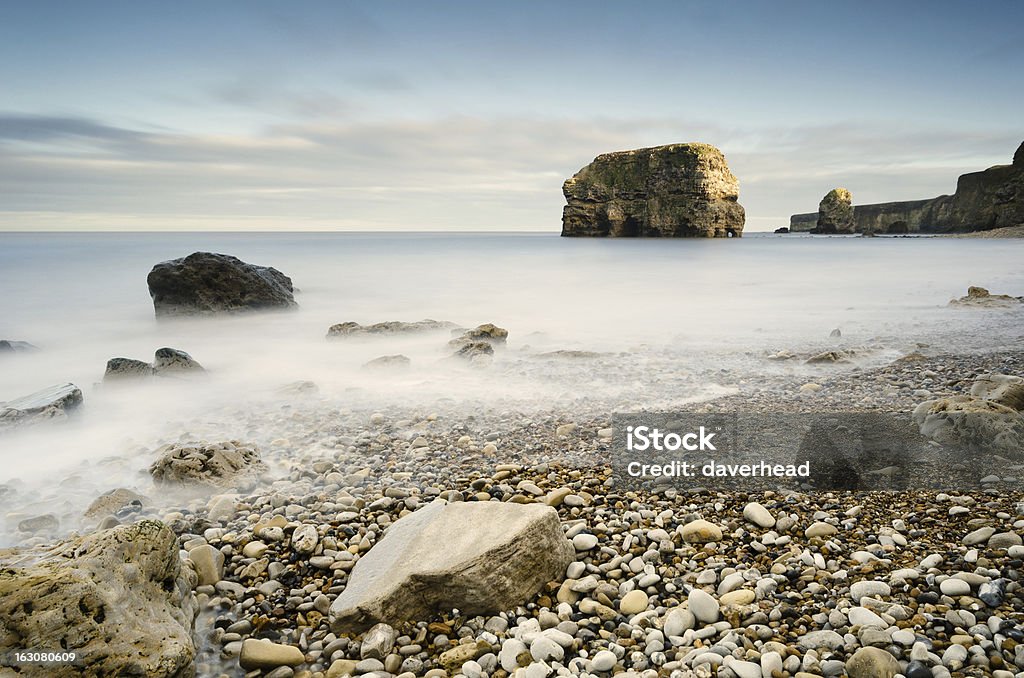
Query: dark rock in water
{"points": [[351, 329], [223, 464], [173, 361], [835, 212], [127, 368], [389, 361], [50, 403], [782, 229], [206, 283], [11, 346], [119, 599], [836, 333], [679, 190]]}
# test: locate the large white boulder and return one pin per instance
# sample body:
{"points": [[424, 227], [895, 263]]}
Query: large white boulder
{"points": [[477, 557]]}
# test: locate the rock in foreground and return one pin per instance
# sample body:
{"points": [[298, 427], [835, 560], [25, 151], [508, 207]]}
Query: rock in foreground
{"points": [[679, 191], [206, 283], [223, 464], [480, 558], [50, 403], [118, 598]]}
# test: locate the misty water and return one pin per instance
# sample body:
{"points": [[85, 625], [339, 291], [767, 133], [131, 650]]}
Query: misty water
{"points": [[672, 322]]}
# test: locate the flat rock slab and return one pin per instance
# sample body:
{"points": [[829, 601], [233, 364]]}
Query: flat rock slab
{"points": [[118, 598], [62, 396], [477, 557], [55, 402]]}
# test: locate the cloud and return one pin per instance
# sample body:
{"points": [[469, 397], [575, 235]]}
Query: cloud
{"points": [[456, 172]]}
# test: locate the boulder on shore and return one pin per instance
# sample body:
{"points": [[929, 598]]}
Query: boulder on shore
{"points": [[206, 283], [972, 425], [223, 464], [478, 557], [677, 191], [54, 402], [119, 599]]}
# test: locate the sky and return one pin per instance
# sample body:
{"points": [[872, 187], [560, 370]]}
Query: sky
{"points": [[469, 115]]}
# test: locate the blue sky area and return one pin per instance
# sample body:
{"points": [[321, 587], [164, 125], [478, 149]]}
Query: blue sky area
{"points": [[469, 115]]}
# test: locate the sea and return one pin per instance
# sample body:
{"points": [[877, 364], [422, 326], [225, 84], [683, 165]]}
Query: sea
{"points": [[603, 324]]}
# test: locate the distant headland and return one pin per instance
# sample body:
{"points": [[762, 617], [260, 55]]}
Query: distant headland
{"points": [[983, 201]]}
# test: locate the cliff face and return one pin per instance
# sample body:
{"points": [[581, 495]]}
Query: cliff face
{"points": [[993, 198], [679, 190]]}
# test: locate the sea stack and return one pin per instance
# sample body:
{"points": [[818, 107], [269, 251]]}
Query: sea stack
{"points": [[835, 212], [673, 191]]}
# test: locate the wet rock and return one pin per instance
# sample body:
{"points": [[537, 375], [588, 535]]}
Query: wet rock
{"points": [[44, 523], [223, 464], [979, 297], [55, 402], [172, 361], [127, 368], [391, 327], [205, 283], [119, 599], [477, 557]]}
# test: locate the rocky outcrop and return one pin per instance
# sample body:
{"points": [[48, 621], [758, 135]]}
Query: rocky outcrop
{"points": [[119, 599], [353, 329], [486, 333], [986, 200], [55, 402], [495, 556], [679, 190], [979, 297], [835, 212], [205, 283], [223, 464], [974, 425]]}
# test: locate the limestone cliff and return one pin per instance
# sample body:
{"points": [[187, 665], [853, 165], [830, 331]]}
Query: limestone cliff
{"points": [[993, 198], [679, 190]]}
